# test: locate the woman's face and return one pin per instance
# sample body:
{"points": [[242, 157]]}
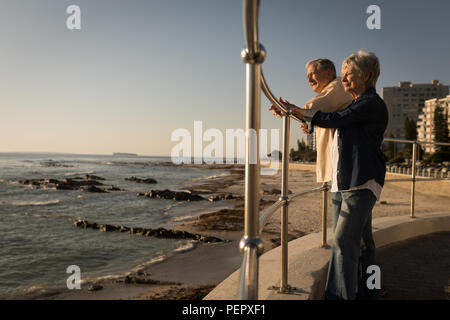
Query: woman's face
{"points": [[351, 80]]}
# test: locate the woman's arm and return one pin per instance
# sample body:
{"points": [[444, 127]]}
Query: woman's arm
{"points": [[356, 115]]}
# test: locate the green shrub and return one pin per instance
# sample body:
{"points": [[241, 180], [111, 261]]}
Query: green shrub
{"points": [[397, 159], [439, 157]]}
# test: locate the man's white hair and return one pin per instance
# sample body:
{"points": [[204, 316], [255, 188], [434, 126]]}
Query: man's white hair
{"points": [[322, 65]]}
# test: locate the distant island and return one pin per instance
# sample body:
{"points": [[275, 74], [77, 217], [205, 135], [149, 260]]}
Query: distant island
{"points": [[125, 154]]}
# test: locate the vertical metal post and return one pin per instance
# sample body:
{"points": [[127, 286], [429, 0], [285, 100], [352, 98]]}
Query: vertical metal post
{"points": [[252, 165], [249, 278], [324, 214], [284, 209], [251, 243], [251, 240], [413, 176]]}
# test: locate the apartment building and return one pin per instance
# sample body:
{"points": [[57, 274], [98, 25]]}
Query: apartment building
{"points": [[408, 100], [425, 122]]}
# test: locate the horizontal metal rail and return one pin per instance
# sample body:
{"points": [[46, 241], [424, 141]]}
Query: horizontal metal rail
{"points": [[413, 178], [295, 195], [416, 179], [416, 141], [268, 213]]}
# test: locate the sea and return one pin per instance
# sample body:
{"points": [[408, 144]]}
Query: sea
{"points": [[38, 240]]}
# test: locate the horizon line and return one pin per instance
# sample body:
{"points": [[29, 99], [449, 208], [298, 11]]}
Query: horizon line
{"points": [[72, 153]]}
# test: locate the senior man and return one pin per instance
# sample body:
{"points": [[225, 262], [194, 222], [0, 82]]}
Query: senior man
{"points": [[330, 97], [359, 171]]}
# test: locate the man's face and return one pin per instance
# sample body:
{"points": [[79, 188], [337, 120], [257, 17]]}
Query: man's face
{"points": [[318, 79]]}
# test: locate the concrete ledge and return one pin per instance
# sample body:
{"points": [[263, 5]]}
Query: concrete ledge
{"points": [[308, 263]]}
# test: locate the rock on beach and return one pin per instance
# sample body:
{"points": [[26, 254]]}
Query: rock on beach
{"points": [[146, 232], [139, 180], [172, 195]]}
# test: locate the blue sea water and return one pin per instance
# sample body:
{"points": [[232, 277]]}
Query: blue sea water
{"points": [[38, 240]]}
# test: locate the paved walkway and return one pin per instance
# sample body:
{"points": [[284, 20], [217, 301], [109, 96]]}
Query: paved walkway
{"points": [[418, 268]]}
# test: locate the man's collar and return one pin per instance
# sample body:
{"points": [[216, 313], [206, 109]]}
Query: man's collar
{"points": [[330, 84]]}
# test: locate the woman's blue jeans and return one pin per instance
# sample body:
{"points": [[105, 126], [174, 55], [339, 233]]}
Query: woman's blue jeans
{"points": [[353, 248]]}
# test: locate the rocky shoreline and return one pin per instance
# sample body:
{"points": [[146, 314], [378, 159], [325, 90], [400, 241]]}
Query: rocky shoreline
{"points": [[89, 183], [221, 228], [207, 190], [147, 232]]}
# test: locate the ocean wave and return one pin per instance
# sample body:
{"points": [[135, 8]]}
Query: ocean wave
{"points": [[166, 210], [217, 175], [211, 177], [185, 247], [38, 215], [119, 276], [44, 187], [35, 289], [101, 278], [154, 260], [35, 203], [78, 173], [11, 182], [178, 219], [141, 267], [40, 290]]}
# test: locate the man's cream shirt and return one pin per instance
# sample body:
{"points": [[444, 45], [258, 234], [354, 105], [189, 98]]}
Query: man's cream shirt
{"points": [[331, 99]]}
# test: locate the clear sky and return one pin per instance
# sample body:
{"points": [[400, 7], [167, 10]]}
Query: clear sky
{"points": [[139, 69]]}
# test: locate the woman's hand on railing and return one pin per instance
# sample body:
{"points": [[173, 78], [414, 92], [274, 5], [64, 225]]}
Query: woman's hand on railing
{"points": [[277, 112], [296, 111]]}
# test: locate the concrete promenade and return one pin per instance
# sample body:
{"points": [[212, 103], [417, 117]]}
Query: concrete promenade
{"points": [[413, 256], [308, 262], [418, 268]]}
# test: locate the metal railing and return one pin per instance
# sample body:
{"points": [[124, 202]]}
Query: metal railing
{"points": [[251, 244], [413, 178]]}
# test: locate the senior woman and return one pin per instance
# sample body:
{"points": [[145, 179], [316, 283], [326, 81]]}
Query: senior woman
{"points": [[358, 175]]}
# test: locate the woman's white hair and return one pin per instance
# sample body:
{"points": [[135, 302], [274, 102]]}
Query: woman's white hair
{"points": [[366, 63]]}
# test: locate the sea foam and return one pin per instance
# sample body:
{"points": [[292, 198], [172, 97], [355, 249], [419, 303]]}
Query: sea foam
{"points": [[35, 203]]}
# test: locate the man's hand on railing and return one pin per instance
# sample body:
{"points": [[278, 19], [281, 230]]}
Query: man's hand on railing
{"points": [[287, 103], [304, 127], [275, 111]]}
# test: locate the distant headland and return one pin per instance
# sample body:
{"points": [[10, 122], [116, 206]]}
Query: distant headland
{"points": [[125, 154]]}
